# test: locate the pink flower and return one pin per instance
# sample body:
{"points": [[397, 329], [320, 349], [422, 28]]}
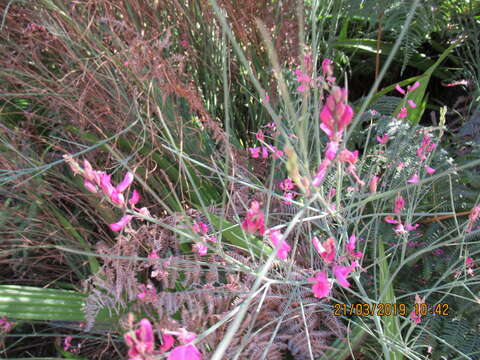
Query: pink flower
{"points": [[350, 247], [414, 86], [289, 197], [438, 252], [88, 171], [147, 293], [429, 170], [468, 261], [399, 89], [153, 255], [409, 227], [327, 68], [390, 220], [280, 244], [90, 186], [383, 139], [67, 343], [335, 114], [399, 204], [425, 147], [200, 248], [186, 337], [184, 43], [322, 171], [264, 152], [373, 184], [414, 179], [260, 136], [126, 182], [255, 152], [135, 198], [411, 104], [342, 272], [403, 113], [327, 249], [142, 343], [331, 193], [255, 220], [200, 227], [331, 151], [144, 211], [472, 218], [287, 184], [301, 88], [117, 198], [121, 224], [414, 317], [167, 342], [321, 286], [106, 185], [349, 156], [5, 325], [276, 153], [266, 99], [400, 229], [185, 352]]}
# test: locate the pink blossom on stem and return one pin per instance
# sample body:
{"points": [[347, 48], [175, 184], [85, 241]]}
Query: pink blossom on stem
{"points": [[342, 272], [327, 249], [335, 114], [289, 197], [67, 343], [383, 139], [414, 179], [167, 342], [349, 156], [184, 43], [321, 286], [410, 227], [327, 67], [147, 293], [260, 135], [117, 198], [468, 261], [414, 317], [141, 344], [429, 170], [403, 113], [390, 220], [255, 220], [144, 211], [399, 89], [126, 182], [331, 151], [280, 244], [200, 248], [200, 227], [414, 86], [87, 171], [121, 223], [322, 171], [350, 247], [106, 185], [265, 99], [264, 152], [331, 193], [255, 152], [472, 218], [287, 184]]}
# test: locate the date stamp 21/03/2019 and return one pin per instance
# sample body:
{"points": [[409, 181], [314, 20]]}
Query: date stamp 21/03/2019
{"points": [[381, 309]]}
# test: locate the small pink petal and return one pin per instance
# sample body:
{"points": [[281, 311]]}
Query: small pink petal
{"points": [[390, 220], [331, 151], [373, 184], [135, 198], [117, 198], [185, 352], [411, 104], [403, 113], [383, 139], [409, 227], [90, 186], [414, 179], [121, 223], [264, 152], [327, 68], [429, 170], [127, 180], [260, 136], [200, 248], [341, 273], [255, 152], [167, 342], [322, 171], [399, 89], [414, 86]]}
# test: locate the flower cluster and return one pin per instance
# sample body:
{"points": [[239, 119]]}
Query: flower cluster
{"points": [[400, 228], [265, 150], [99, 182], [141, 343], [287, 185], [321, 284], [201, 246]]}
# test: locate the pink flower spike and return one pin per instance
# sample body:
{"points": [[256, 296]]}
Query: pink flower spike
{"points": [[121, 224], [341, 273], [321, 286], [414, 179], [399, 89], [255, 152], [383, 139], [135, 198], [185, 352], [167, 342], [126, 182], [90, 186], [200, 248], [414, 86], [399, 204], [411, 104], [429, 170], [403, 113]]}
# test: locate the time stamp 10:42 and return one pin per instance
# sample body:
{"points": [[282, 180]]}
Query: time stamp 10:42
{"points": [[363, 309]]}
